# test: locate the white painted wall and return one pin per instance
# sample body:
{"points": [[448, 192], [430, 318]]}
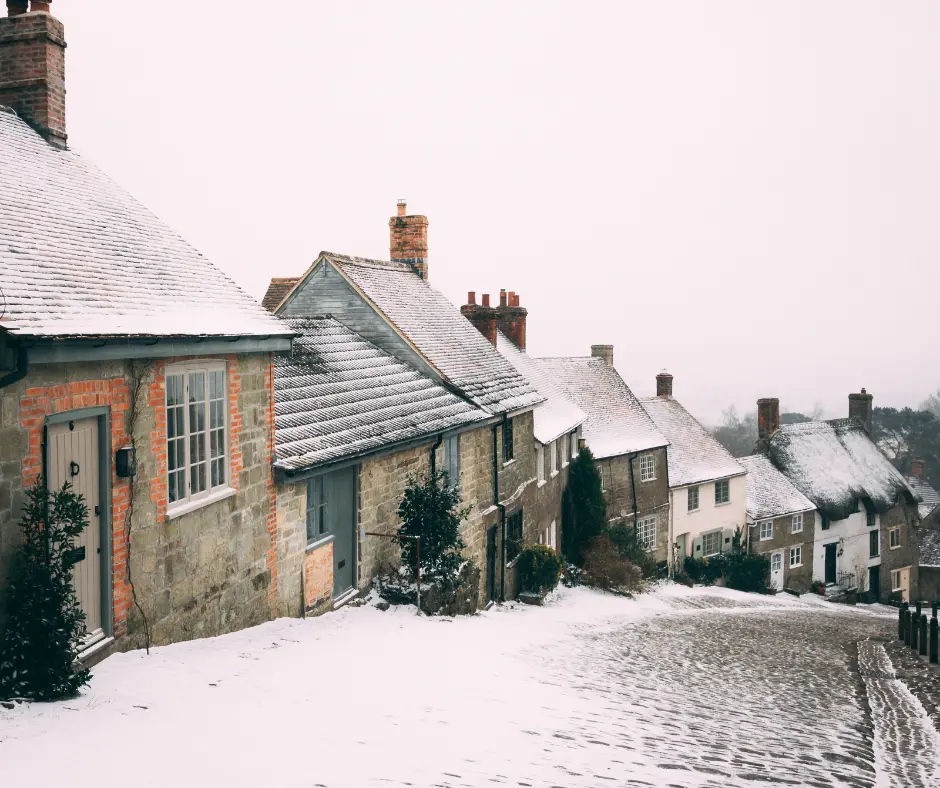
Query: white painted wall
{"points": [[852, 533], [708, 517]]}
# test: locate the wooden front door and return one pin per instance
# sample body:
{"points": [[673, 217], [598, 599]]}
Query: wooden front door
{"points": [[831, 562], [340, 492], [73, 452], [776, 569]]}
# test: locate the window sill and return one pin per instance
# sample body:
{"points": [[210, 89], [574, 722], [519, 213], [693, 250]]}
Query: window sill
{"points": [[554, 474], [796, 532], [795, 566], [725, 503], [896, 547], [766, 539], [178, 510], [509, 462], [542, 483], [693, 511], [323, 540]]}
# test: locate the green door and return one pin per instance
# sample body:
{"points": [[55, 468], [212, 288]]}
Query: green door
{"points": [[340, 492]]}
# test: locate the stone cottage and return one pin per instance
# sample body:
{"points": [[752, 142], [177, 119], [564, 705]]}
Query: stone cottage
{"points": [[928, 532], [707, 486], [134, 370], [781, 524], [630, 450], [866, 511], [354, 426], [391, 305]]}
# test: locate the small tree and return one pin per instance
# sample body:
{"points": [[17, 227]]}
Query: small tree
{"points": [[584, 511], [45, 623], [539, 568], [431, 509]]}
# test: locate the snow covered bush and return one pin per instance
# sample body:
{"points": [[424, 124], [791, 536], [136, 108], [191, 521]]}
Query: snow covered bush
{"points": [[584, 511], [45, 624], [431, 509], [705, 570], [625, 537], [605, 567], [539, 568], [740, 570]]}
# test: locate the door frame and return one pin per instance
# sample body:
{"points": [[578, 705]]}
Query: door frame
{"points": [[783, 580], [103, 415]]}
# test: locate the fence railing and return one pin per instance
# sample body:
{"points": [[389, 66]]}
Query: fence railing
{"points": [[916, 631]]}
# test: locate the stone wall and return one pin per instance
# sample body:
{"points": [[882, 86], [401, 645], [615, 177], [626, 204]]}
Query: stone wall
{"points": [[797, 578], [901, 515], [209, 571]]}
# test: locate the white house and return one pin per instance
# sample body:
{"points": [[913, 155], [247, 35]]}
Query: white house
{"points": [[707, 486]]}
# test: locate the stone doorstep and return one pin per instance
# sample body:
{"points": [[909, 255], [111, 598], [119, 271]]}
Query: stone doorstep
{"points": [[97, 652]]}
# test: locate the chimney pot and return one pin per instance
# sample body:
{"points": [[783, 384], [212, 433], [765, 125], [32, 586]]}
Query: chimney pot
{"points": [[664, 384], [486, 299], [408, 240], [402, 208], [502, 298], [768, 417], [17, 7], [471, 297], [605, 352], [511, 318], [40, 5], [860, 408]]}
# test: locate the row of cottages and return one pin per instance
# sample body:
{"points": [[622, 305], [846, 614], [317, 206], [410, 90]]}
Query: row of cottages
{"points": [[855, 521], [388, 379], [134, 370], [928, 573]]}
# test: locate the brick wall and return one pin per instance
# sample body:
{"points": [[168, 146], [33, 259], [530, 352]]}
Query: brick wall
{"points": [[202, 573]]}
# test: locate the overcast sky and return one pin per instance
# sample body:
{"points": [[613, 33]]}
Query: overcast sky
{"points": [[743, 193]]}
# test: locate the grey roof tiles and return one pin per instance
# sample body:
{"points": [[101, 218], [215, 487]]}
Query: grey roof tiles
{"points": [[769, 493]]}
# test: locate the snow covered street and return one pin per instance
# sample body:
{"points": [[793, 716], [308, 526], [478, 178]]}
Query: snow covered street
{"points": [[683, 687]]}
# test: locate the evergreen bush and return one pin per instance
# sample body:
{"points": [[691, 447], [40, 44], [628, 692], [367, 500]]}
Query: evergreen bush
{"points": [[625, 537], [539, 568], [584, 511], [745, 572], [431, 509], [45, 624], [606, 568]]}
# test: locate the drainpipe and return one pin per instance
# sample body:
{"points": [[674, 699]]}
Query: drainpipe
{"points": [[434, 448], [22, 367], [636, 514], [502, 516]]}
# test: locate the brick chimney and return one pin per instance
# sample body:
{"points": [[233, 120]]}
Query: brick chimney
{"points": [[860, 409], [664, 384], [409, 239], [483, 316], [768, 417], [32, 68], [919, 469], [605, 352], [511, 318]]}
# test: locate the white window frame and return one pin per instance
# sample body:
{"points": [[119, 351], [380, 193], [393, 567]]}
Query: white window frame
{"points": [[553, 450], [540, 462], [647, 468], [726, 485], [796, 524], [765, 530], [646, 533], [896, 580], [574, 445], [891, 535], [876, 542], [192, 501], [778, 559], [451, 459], [705, 537], [698, 499], [796, 552]]}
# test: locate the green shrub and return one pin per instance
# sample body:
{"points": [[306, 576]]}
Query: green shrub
{"points": [[624, 537], [606, 568], [745, 572], [705, 570], [584, 511], [539, 568], [45, 624]]}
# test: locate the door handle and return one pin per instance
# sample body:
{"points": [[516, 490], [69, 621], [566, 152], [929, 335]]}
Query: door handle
{"points": [[97, 511], [74, 468], [341, 564]]}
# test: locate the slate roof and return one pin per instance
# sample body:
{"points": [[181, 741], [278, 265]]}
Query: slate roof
{"points": [[442, 335], [557, 415], [338, 396], [769, 493], [929, 497], [616, 421], [277, 290], [80, 257], [693, 455], [835, 464], [929, 547]]}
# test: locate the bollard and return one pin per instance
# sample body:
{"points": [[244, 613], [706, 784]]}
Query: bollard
{"points": [[915, 626], [901, 623], [919, 611], [934, 606], [933, 640], [922, 642], [907, 627]]}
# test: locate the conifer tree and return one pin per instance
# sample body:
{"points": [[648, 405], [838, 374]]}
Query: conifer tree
{"points": [[584, 510]]}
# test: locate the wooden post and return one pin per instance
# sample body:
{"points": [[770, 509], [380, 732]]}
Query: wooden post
{"points": [[923, 635], [915, 630], [907, 627], [918, 607], [933, 640], [901, 611]]}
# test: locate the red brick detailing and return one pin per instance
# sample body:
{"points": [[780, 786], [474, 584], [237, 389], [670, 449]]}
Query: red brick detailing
{"points": [[234, 420], [483, 317], [158, 444], [408, 240], [35, 406], [272, 491], [318, 576]]}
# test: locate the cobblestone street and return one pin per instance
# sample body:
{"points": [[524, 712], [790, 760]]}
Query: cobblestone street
{"points": [[679, 687]]}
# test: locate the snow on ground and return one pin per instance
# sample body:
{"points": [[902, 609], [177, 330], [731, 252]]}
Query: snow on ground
{"points": [[685, 687]]}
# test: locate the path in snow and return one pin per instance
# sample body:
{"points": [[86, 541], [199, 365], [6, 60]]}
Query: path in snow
{"points": [[681, 687], [907, 745]]}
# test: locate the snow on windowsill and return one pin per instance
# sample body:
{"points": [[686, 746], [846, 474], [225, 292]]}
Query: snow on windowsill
{"points": [[542, 483], [726, 503], [554, 474], [191, 506], [508, 463], [323, 540]]}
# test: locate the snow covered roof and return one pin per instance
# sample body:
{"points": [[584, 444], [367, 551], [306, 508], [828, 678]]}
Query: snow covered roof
{"points": [[339, 396], [557, 415], [616, 421], [929, 497], [80, 257], [693, 455], [769, 493], [277, 291], [929, 547], [449, 342], [835, 464]]}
